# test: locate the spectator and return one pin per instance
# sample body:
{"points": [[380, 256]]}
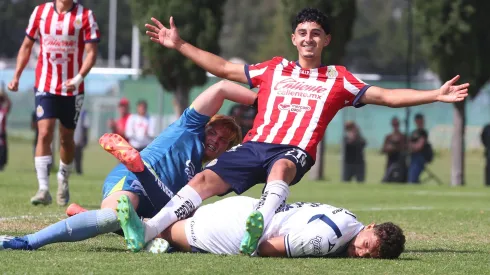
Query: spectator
{"points": [[485, 139], [354, 164], [244, 115], [421, 151], [394, 146], [140, 129], [81, 139], [5, 105], [119, 126]]}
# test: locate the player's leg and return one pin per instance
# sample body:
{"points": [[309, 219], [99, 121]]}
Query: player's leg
{"points": [[43, 158], [286, 167], [76, 228], [69, 111]]}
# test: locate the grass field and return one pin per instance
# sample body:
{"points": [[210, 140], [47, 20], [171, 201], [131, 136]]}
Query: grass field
{"points": [[447, 228]]}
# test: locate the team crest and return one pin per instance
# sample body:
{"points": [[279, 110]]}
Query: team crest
{"points": [[39, 111], [332, 72], [77, 23]]}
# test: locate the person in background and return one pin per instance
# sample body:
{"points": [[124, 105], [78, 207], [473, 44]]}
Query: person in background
{"points": [[354, 163], [244, 116], [419, 149], [394, 146], [485, 139], [5, 105], [119, 126], [81, 140], [140, 128]]}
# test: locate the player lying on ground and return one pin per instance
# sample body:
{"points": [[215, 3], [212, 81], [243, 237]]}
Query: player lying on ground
{"points": [[296, 101], [297, 230], [175, 155]]}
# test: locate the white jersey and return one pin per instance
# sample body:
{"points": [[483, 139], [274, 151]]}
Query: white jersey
{"points": [[309, 229], [140, 130]]}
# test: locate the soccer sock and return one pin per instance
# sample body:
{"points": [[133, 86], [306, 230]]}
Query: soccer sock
{"points": [[64, 170], [76, 228], [42, 171], [179, 207], [275, 194]]}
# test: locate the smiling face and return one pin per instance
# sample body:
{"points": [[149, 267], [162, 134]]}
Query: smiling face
{"points": [[310, 39], [365, 245]]}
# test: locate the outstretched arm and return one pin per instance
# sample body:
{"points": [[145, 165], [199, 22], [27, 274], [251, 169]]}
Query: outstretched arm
{"points": [[210, 101], [449, 92], [210, 62]]}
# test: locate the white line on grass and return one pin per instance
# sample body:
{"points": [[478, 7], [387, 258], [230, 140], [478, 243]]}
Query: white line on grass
{"points": [[26, 217], [450, 194], [402, 208]]}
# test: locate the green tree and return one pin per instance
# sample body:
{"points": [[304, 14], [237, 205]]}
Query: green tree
{"points": [[199, 23], [455, 38]]}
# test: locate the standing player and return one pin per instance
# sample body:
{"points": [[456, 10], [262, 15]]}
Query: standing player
{"points": [[198, 136], [66, 30], [299, 230], [296, 101]]}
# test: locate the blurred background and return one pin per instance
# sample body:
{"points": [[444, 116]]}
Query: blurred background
{"points": [[387, 43]]}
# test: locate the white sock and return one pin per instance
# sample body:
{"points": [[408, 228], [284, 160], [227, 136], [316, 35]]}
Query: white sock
{"points": [[275, 194], [42, 171], [64, 171], [179, 207]]}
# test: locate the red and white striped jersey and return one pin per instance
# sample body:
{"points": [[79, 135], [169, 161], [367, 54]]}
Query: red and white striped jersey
{"points": [[295, 105], [62, 38]]}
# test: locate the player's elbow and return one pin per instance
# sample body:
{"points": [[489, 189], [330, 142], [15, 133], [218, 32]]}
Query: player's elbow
{"points": [[390, 99]]}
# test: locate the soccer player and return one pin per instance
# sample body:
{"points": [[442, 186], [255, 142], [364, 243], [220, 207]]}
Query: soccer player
{"points": [[66, 31], [296, 101], [298, 230], [178, 153]]}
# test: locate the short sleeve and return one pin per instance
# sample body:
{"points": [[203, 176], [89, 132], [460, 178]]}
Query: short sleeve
{"points": [[192, 121], [315, 239], [256, 73], [91, 29], [354, 88], [32, 30]]}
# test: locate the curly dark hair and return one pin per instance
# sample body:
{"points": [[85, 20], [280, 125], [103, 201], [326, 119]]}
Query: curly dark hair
{"points": [[311, 15], [391, 240]]}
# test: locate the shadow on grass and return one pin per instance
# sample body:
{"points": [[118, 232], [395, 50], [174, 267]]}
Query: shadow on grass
{"points": [[442, 250]]}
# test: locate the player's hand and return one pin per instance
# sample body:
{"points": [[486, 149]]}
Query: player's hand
{"points": [[13, 85], [70, 86], [168, 38], [449, 92]]}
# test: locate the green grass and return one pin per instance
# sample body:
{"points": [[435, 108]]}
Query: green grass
{"points": [[447, 228]]}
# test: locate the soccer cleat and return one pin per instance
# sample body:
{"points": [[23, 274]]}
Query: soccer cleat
{"points": [[15, 243], [42, 197], [132, 226], [253, 232], [63, 194], [123, 151], [157, 245], [74, 209]]}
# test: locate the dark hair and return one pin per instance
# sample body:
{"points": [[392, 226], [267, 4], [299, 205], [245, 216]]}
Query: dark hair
{"points": [[419, 116], [311, 15], [142, 102], [391, 240]]}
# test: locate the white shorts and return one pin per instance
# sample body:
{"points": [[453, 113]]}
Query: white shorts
{"points": [[219, 227]]}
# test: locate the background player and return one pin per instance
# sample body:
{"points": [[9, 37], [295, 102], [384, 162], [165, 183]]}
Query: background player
{"points": [[175, 155], [298, 230], [296, 101], [66, 30]]}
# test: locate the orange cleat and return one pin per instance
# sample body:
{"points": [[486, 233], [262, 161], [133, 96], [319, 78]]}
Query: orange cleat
{"points": [[123, 151], [74, 209]]}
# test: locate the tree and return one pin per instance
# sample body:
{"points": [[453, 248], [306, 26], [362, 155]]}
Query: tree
{"points": [[342, 14], [199, 23], [455, 38]]}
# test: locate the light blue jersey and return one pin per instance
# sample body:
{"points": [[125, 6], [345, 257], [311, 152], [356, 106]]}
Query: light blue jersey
{"points": [[175, 156]]}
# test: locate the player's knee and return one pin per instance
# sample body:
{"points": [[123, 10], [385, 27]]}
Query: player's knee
{"points": [[283, 169], [45, 136], [66, 139]]}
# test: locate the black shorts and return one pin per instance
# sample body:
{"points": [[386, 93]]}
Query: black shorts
{"points": [[65, 108], [248, 164]]}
